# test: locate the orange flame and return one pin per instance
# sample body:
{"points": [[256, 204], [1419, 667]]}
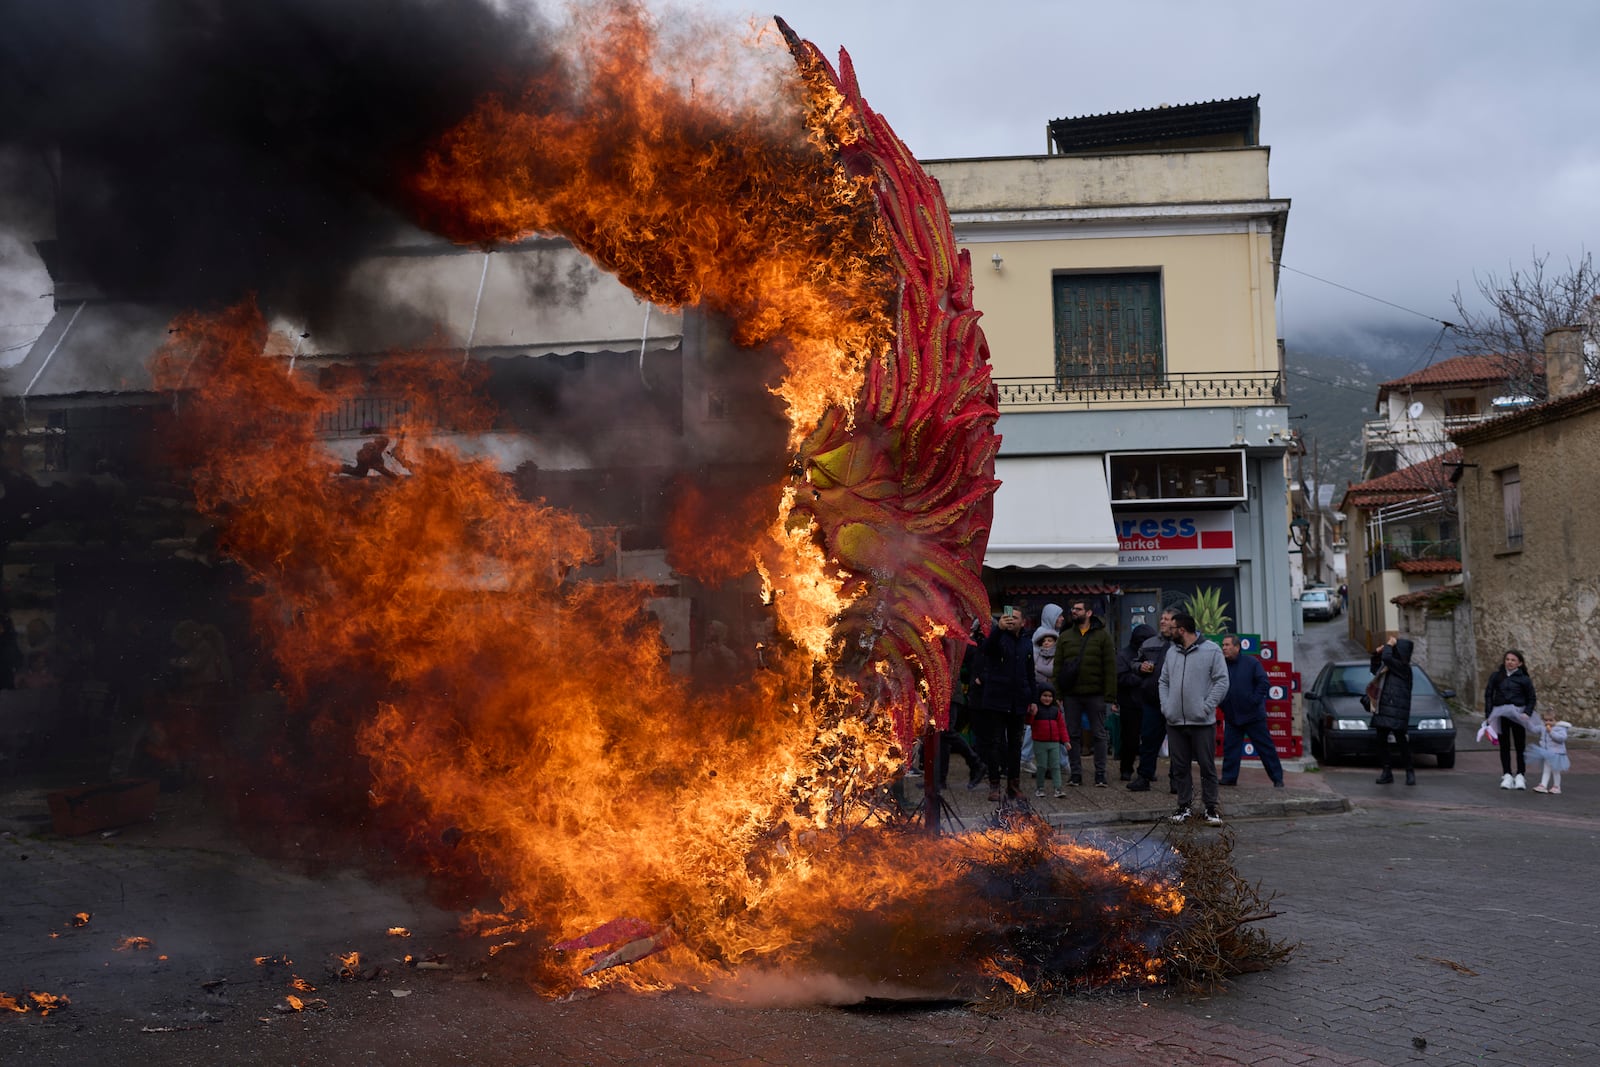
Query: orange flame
{"points": [[81, 918], [138, 944], [512, 723], [44, 1003], [994, 969], [690, 197]]}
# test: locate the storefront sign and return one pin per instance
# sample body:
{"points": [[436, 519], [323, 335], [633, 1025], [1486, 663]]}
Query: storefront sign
{"points": [[1175, 539]]}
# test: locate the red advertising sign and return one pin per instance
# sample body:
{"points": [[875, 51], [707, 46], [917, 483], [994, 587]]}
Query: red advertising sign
{"points": [[1175, 539]]}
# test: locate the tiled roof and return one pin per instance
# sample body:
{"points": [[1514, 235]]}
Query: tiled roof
{"points": [[1423, 596], [1462, 370], [1048, 588], [1429, 566], [1552, 410], [1407, 483]]}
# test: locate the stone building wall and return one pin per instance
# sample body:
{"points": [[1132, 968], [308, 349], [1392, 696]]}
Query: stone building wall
{"points": [[1544, 597]]}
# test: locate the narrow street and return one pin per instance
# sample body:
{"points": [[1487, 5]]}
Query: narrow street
{"points": [[1424, 920]]}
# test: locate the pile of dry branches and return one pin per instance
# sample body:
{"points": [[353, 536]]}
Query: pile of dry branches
{"points": [[1217, 936]]}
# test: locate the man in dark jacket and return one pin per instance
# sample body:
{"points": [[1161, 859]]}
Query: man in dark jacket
{"points": [[1086, 683], [1130, 679], [1003, 677], [1244, 714], [1152, 724]]}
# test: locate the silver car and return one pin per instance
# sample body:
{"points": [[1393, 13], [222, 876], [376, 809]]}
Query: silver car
{"points": [[1319, 604]]}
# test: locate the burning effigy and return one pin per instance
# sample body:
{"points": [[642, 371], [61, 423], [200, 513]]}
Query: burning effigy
{"points": [[461, 694]]}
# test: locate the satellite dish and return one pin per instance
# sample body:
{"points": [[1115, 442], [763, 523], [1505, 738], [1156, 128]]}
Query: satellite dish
{"points": [[1415, 410]]}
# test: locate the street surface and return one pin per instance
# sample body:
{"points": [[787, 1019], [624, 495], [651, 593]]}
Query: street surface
{"points": [[1447, 923]]}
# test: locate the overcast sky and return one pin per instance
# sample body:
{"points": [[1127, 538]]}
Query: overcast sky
{"points": [[1419, 140]]}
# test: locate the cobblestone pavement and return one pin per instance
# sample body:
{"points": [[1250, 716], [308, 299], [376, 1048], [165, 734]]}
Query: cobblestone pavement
{"points": [[1454, 914]]}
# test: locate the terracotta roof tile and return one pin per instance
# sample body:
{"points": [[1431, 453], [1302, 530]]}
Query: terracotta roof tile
{"points": [[1419, 479], [1422, 596], [1058, 588], [1461, 370], [1429, 566], [1551, 410]]}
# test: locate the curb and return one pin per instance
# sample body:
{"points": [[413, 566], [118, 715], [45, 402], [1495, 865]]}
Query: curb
{"points": [[1289, 807]]}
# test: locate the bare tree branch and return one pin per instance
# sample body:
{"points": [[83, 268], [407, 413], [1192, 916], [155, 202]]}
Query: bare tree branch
{"points": [[1521, 307]]}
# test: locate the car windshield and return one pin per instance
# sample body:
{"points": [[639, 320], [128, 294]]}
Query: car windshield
{"points": [[1350, 679], [1317, 595]]}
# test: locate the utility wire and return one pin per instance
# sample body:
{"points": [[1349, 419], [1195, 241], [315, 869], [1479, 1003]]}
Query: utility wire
{"points": [[1431, 351], [1337, 385], [1369, 296]]}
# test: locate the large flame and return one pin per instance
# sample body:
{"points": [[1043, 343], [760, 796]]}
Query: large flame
{"points": [[520, 728]]}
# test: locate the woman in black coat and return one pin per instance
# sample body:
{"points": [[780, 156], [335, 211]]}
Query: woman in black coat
{"points": [[1511, 686], [1003, 678], [1392, 713]]}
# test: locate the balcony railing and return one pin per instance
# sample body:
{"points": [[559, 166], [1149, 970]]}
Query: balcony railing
{"points": [[1173, 389], [363, 416], [1428, 430]]}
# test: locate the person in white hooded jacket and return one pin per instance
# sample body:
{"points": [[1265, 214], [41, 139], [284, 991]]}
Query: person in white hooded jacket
{"points": [[1045, 639], [1194, 679]]}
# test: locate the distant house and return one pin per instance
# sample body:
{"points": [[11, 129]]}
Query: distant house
{"points": [[1528, 497], [1418, 411], [1404, 537]]}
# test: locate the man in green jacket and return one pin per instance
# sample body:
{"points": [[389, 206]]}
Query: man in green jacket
{"points": [[1086, 683]]}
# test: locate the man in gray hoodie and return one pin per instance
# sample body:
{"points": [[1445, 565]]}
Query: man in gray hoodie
{"points": [[1194, 679]]}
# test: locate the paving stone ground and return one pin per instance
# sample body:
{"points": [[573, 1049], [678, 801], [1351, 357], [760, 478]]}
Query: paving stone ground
{"points": [[1453, 914]]}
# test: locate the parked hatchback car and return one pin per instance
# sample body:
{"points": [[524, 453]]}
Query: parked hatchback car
{"points": [[1340, 728], [1319, 604]]}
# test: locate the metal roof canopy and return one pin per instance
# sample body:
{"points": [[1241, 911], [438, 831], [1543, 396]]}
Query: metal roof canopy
{"points": [[1152, 127]]}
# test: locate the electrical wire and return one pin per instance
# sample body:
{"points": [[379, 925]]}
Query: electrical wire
{"points": [[1369, 296], [1324, 381]]}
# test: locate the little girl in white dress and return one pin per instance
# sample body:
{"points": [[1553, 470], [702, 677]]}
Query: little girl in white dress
{"points": [[1551, 750]]}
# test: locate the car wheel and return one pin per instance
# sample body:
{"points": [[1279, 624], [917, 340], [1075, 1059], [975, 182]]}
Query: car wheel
{"points": [[1327, 754], [1447, 759], [1316, 746]]}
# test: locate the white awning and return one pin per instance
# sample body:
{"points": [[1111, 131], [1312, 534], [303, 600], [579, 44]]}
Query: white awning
{"points": [[1052, 511]]}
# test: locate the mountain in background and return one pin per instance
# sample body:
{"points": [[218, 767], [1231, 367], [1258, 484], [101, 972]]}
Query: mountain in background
{"points": [[1333, 378]]}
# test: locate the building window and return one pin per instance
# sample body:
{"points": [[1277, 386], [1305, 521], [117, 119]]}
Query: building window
{"points": [[1511, 496], [1108, 326], [1460, 407], [1137, 478]]}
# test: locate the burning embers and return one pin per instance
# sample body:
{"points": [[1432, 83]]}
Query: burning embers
{"points": [[42, 1003], [519, 730]]}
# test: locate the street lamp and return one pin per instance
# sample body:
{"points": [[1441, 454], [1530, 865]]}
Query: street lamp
{"points": [[1300, 530]]}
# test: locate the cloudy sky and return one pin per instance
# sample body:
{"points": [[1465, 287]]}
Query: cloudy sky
{"points": [[1419, 140]]}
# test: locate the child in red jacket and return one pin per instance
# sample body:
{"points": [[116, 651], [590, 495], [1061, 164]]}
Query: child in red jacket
{"points": [[1049, 740]]}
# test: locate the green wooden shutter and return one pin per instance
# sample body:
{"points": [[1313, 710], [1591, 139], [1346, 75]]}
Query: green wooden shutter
{"points": [[1108, 326]]}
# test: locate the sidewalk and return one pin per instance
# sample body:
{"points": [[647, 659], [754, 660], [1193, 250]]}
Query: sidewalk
{"points": [[1306, 792]]}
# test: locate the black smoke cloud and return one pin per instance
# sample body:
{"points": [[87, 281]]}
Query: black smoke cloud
{"points": [[202, 150]]}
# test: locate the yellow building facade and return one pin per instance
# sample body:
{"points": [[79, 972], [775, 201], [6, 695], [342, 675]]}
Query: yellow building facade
{"points": [[1127, 282]]}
